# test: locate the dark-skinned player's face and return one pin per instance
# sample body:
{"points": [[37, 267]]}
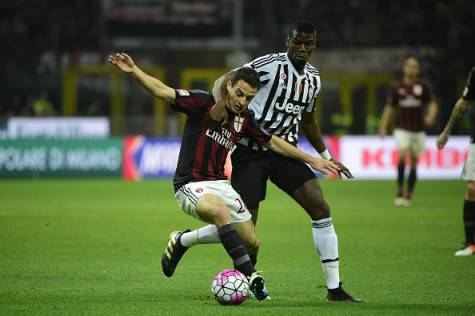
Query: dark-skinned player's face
{"points": [[300, 46]]}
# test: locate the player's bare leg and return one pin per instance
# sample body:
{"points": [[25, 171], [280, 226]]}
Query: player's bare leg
{"points": [[214, 211], [404, 155], [310, 197], [411, 180]]}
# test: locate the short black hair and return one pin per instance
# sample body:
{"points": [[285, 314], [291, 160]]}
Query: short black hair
{"points": [[304, 26], [247, 74]]}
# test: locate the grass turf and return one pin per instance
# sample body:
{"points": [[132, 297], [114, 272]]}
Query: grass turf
{"points": [[94, 247]]}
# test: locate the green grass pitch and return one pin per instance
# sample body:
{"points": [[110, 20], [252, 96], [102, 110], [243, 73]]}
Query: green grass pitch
{"points": [[93, 247]]}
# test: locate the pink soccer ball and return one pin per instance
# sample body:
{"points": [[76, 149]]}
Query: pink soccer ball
{"points": [[230, 287]]}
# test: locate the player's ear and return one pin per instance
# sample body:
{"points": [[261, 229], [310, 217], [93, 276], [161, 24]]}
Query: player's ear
{"points": [[229, 85]]}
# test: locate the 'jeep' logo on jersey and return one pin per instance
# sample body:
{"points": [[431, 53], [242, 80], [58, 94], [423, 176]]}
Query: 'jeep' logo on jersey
{"points": [[289, 107], [238, 121]]}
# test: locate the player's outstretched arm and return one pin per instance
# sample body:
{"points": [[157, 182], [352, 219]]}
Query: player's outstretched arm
{"points": [[160, 90], [280, 146], [459, 109]]}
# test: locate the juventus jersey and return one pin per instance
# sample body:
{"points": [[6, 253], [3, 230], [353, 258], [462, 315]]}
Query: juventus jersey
{"points": [[284, 95]]}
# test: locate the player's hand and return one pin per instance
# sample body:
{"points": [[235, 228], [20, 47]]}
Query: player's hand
{"points": [[218, 114], [342, 169], [122, 61], [324, 166], [442, 140]]}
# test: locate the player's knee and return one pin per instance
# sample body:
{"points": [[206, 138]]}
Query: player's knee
{"points": [[321, 211], [471, 190], [221, 215]]}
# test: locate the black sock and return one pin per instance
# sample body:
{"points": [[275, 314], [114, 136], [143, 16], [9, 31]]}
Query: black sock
{"points": [[253, 259], [234, 246], [400, 175], [469, 221], [411, 181]]}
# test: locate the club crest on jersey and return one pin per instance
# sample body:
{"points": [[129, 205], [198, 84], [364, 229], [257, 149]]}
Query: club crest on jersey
{"points": [[199, 190], [417, 89], [183, 93], [238, 121]]}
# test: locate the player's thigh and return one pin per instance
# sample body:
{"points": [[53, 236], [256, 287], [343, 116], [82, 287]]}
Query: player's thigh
{"points": [[402, 139], [210, 201], [418, 141], [249, 176], [232, 200], [290, 174], [468, 172]]}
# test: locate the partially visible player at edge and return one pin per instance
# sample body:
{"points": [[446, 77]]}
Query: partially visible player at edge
{"points": [[287, 98], [200, 186], [468, 172], [410, 97]]}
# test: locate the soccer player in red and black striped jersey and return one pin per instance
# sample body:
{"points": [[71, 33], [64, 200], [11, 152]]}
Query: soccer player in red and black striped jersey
{"points": [[201, 188], [461, 106], [411, 97]]}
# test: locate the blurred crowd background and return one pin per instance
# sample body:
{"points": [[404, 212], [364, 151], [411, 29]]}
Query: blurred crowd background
{"points": [[53, 56]]}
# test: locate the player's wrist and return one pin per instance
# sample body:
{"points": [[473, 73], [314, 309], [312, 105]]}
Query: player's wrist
{"points": [[325, 155]]}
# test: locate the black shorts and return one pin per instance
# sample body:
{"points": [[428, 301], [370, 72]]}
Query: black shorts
{"points": [[252, 169]]}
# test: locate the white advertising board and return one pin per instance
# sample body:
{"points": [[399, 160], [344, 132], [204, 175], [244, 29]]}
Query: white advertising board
{"points": [[371, 157], [56, 127]]}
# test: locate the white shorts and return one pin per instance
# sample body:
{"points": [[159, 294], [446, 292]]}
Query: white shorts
{"points": [[412, 141], [189, 194], [468, 172]]}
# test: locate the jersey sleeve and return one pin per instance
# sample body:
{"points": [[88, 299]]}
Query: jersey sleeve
{"points": [[191, 101], [265, 66], [312, 104], [254, 131], [469, 90]]}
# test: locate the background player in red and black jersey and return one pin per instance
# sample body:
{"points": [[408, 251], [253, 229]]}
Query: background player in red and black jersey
{"points": [[200, 185], [417, 110], [461, 106]]}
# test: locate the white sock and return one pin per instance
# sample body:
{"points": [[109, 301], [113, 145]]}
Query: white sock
{"points": [[205, 235], [326, 243]]}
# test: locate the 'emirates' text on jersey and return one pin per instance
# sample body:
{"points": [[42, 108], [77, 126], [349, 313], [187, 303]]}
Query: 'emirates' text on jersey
{"points": [[284, 95], [204, 150], [410, 99]]}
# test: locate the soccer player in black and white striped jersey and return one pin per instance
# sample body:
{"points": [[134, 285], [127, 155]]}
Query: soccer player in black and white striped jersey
{"points": [[290, 86]]}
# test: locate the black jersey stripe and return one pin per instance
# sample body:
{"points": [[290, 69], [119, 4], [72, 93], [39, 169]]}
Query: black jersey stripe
{"points": [[264, 60], [271, 95], [206, 155], [262, 64]]}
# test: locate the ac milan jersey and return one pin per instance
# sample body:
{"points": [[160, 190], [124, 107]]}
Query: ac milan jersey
{"points": [[469, 91], [204, 149], [284, 95], [410, 100]]}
